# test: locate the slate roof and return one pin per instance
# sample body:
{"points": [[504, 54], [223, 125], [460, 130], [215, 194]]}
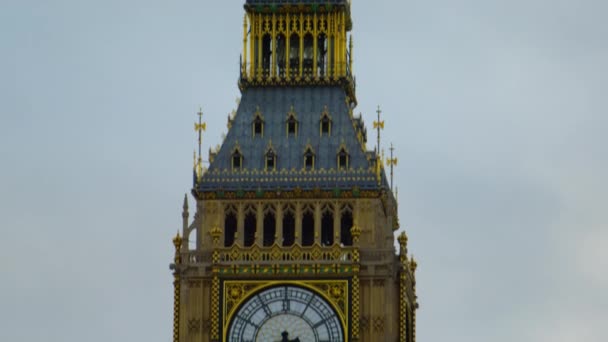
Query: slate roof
{"points": [[281, 2], [274, 104]]}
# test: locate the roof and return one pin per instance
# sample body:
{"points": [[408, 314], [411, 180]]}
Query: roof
{"points": [[273, 105], [282, 2]]}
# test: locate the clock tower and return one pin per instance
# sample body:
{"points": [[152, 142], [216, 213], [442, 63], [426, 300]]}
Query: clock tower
{"points": [[295, 217]]}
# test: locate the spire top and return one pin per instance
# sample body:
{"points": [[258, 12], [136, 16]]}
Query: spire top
{"points": [[185, 202], [200, 127], [392, 162], [378, 125]]}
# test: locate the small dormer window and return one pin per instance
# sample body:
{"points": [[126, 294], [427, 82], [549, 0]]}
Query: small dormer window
{"points": [[309, 159], [325, 126], [258, 127], [257, 124], [325, 123], [292, 123], [237, 160], [292, 127], [271, 160], [343, 159]]}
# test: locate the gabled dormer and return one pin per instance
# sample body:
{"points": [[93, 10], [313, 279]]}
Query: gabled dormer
{"points": [[237, 158], [270, 159], [257, 125], [325, 123], [291, 123]]}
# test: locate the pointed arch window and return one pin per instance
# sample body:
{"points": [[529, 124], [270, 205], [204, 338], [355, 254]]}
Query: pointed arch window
{"points": [[270, 160], [325, 123], [343, 159], [280, 55], [308, 55], [237, 159], [346, 223], [250, 226], [289, 225], [309, 159], [292, 123], [269, 226], [230, 225], [327, 226], [308, 226], [294, 54], [257, 126]]}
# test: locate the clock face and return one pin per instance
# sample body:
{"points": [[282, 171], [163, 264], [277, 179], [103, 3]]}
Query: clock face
{"points": [[285, 313]]}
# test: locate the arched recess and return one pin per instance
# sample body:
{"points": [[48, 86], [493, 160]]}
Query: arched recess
{"points": [[308, 54], [230, 225], [327, 226], [309, 158], [321, 55], [343, 158], [294, 54], [281, 54], [289, 226], [346, 223], [250, 226], [308, 226], [266, 54], [270, 225]]}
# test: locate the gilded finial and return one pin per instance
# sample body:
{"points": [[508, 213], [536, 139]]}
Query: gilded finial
{"points": [[177, 242], [413, 264], [392, 162], [215, 233], [199, 127], [378, 125], [402, 240]]}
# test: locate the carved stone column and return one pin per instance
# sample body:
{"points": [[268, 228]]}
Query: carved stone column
{"points": [[356, 295], [215, 233], [177, 242]]}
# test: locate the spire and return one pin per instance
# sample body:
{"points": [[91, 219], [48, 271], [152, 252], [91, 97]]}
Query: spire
{"points": [[378, 125], [185, 203], [391, 162], [200, 127]]}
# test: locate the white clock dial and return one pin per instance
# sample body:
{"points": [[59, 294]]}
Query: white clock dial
{"points": [[285, 314]]}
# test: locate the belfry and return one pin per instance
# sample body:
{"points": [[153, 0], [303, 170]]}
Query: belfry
{"points": [[295, 218]]}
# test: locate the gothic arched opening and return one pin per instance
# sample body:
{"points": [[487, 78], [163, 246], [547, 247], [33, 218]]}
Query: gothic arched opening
{"points": [[250, 227], [269, 227], [230, 226], [266, 54], [308, 54], [308, 228], [346, 223], [294, 54], [280, 55], [321, 55], [327, 227], [289, 227]]}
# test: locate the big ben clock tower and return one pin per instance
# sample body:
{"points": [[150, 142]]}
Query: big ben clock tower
{"points": [[295, 218]]}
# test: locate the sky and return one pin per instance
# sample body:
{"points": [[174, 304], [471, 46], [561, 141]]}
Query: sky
{"points": [[497, 109]]}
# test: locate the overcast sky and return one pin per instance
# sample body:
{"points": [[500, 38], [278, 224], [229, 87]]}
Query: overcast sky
{"points": [[498, 111]]}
